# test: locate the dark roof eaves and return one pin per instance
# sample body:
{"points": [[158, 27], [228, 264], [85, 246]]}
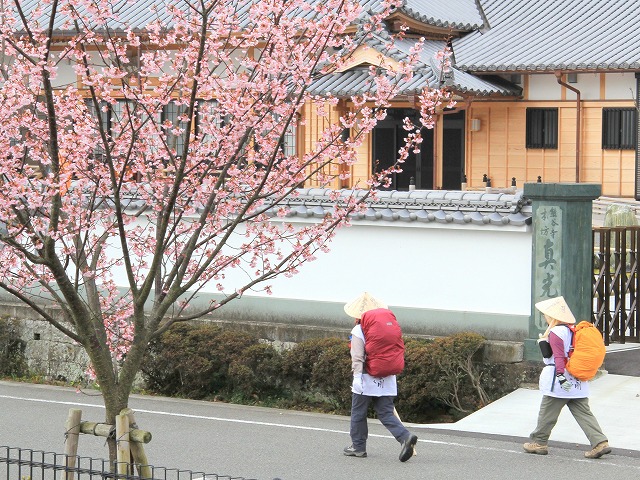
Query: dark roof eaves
{"points": [[425, 206], [547, 68], [436, 22]]}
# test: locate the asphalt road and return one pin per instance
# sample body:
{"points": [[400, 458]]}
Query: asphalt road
{"points": [[264, 443]]}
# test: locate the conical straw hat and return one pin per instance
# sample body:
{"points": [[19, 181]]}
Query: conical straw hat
{"points": [[557, 308], [364, 303]]}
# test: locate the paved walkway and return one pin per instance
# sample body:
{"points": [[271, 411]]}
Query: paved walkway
{"points": [[615, 401], [623, 359]]}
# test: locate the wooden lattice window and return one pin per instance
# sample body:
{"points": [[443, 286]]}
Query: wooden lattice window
{"points": [[542, 128], [619, 128]]}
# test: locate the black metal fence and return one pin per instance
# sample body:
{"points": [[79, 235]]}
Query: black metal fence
{"points": [[25, 464], [616, 283]]}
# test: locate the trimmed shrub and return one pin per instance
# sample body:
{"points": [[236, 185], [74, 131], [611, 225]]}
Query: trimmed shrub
{"points": [[256, 372], [298, 362], [499, 379], [193, 361], [416, 401], [442, 378], [317, 373], [331, 374]]}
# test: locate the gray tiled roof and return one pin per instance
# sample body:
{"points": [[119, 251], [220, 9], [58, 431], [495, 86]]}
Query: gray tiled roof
{"points": [[553, 35], [457, 79], [136, 14], [452, 14], [139, 13], [521, 35], [440, 206], [455, 14], [357, 80]]}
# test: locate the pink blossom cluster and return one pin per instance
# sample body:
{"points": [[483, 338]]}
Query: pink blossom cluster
{"points": [[140, 161]]}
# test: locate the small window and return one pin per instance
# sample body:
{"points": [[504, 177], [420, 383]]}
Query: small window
{"points": [[619, 128], [289, 144], [174, 114], [542, 128], [208, 113], [102, 114]]}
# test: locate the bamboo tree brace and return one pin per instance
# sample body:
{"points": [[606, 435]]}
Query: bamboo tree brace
{"points": [[106, 430]]}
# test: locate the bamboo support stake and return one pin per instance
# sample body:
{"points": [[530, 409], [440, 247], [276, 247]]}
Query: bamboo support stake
{"points": [[123, 453], [72, 432], [104, 430], [137, 448]]}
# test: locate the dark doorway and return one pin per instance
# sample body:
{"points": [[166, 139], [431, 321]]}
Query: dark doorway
{"points": [[388, 137], [453, 150]]}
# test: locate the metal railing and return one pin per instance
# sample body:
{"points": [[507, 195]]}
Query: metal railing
{"points": [[25, 464], [616, 283]]}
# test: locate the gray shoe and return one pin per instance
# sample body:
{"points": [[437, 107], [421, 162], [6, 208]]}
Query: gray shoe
{"points": [[407, 448], [352, 452]]}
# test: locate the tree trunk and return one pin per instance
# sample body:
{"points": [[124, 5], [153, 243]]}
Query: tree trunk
{"points": [[113, 405]]}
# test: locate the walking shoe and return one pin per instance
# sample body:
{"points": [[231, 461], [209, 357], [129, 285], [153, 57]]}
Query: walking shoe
{"points": [[352, 452], [407, 448], [599, 450], [536, 448]]}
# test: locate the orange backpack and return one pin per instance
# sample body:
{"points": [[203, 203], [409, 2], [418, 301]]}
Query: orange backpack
{"points": [[587, 351]]}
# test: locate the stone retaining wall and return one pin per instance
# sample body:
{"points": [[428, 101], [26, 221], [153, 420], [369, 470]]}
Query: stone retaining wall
{"points": [[52, 355]]}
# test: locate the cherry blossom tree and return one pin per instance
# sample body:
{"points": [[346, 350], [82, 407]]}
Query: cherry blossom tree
{"points": [[144, 152]]}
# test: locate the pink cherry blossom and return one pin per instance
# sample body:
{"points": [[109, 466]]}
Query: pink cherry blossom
{"points": [[142, 161]]}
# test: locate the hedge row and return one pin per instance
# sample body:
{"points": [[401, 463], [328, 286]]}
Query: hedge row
{"points": [[441, 376]]}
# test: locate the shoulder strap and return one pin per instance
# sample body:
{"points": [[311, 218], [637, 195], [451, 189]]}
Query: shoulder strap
{"points": [[572, 329]]}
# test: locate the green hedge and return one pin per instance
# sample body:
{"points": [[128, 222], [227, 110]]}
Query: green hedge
{"points": [[442, 377]]}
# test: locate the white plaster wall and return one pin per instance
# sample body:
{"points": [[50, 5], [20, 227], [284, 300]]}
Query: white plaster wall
{"points": [[434, 266], [620, 86], [589, 86], [65, 75], [466, 268], [544, 87]]}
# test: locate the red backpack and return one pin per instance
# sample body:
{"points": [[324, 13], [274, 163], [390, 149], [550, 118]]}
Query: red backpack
{"points": [[384, 347]]}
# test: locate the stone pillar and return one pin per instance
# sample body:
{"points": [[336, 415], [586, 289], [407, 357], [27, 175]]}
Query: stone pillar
{"points": [[562, 251]]}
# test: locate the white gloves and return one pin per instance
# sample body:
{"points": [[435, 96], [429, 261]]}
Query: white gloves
{"points": [[564, 383], [356, 386]]}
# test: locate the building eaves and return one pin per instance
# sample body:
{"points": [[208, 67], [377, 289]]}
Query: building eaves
{"points": [[424, 206], [549, 36], [456, 79], [358, 81], [462, 15], [426, 73]]}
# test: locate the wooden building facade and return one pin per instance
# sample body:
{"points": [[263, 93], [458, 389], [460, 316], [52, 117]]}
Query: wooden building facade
{"points": [[544, 93]]}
